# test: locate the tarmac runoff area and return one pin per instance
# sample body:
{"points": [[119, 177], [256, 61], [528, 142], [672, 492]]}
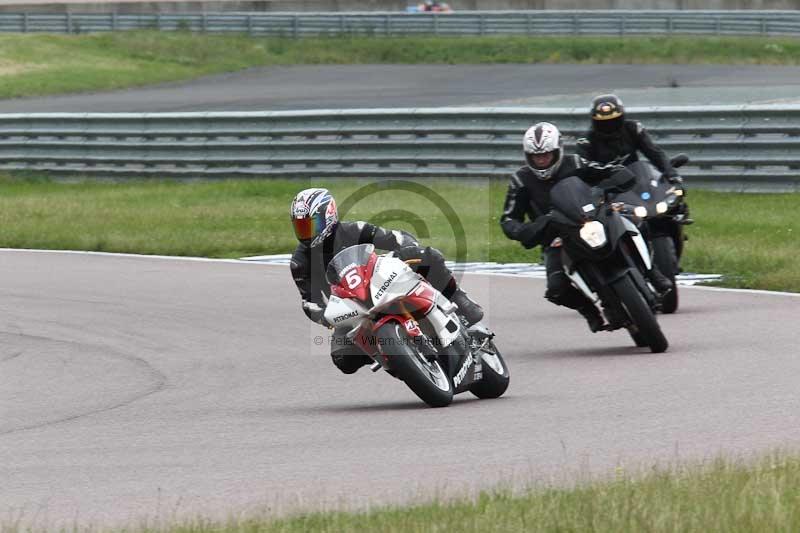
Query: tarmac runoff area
{"points": [[409, 86], [136, 387]]}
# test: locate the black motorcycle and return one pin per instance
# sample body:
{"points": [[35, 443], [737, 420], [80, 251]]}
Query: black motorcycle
{"points": [[605, 255], [663, 223]]}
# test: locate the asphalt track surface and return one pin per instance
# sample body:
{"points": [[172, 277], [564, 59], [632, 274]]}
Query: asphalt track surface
{"points": [[141, 387], [370, 86]]}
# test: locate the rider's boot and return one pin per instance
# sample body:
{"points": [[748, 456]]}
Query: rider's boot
{"points": [[661, 283], [349, 361], [471, 311]]}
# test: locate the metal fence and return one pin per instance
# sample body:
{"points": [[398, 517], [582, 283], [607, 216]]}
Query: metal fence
{"points": [[617, 22], [732, 147]]}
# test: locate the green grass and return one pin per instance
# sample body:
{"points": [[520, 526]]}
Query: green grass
{"points": [[727, 496], [36, 64], [751, 238], [719, 496]]}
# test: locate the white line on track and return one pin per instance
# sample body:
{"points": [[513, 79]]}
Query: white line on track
{"points": [[500, 270]]}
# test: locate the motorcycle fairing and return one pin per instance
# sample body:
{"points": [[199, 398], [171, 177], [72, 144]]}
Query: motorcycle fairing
{"points": [[391, 279], [350, 271], [638, 241], [344, 312]]}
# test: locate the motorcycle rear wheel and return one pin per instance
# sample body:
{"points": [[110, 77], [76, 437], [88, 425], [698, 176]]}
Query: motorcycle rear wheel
{"points": [[495, 374], [427, 379], [648, 330]]}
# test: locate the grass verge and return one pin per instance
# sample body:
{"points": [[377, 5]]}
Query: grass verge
{"points": [[751, 238], [36, 64], [720, 496]]}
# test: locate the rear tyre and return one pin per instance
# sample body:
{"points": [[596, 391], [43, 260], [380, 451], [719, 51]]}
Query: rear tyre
{"points": [[495, 374], [640, 341], [427, 379], [666, 259], [647, 329]]}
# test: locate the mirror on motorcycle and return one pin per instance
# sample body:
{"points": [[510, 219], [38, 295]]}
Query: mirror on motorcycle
{"points": [[621, 181], [679, 160]]}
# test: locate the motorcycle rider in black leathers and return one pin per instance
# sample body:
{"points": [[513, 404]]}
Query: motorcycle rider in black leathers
{"points": [[529, 196], [613, 139], [322, 235]]}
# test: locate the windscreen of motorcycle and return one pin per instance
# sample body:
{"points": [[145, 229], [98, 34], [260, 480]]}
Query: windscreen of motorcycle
{"points": [[345, 260], [572, 197], [650, 188], [391, 279]]}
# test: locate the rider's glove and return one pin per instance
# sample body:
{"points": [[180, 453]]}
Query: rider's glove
{"points": [[315, 312], [532, 233], [675, 180]]}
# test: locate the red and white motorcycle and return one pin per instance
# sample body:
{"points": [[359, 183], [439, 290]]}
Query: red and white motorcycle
{"points": [[410, 329]]}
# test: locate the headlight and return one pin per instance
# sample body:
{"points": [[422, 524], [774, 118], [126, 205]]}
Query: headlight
{"points": [[640, 211], [678, 192], [594, 234], [661, 207]]}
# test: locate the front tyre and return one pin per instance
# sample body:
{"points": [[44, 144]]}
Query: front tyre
{"points": [[426, 378], [495, 373], [666, 259], [648, 331]]}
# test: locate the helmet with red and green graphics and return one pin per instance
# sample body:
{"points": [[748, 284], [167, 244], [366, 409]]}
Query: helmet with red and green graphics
{"points": [[314, 215]]}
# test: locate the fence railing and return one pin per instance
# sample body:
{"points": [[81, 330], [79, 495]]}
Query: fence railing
{"points": [[617, 22], [731, 147]]}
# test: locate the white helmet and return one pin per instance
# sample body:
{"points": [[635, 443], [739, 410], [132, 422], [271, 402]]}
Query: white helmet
{"points": [[540, 139]]}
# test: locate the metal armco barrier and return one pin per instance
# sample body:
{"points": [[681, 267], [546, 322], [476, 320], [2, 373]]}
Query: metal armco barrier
{"points": [[732, 147], [616, 22]]}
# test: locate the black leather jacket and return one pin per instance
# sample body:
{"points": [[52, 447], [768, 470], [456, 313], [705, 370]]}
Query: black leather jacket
{"points": [[621, 147], [528, 196], [308, 264]]}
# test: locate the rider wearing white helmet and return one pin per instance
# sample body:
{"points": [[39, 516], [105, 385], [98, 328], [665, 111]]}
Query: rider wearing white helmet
{"points": [[528, 197], [322, 235]]}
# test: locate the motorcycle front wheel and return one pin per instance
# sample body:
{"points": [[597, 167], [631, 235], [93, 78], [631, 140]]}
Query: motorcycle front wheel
{"points": [[426, 378], [494, 381], [647, 329]]}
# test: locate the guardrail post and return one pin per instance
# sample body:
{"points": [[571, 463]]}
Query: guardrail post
{"points": [[342, 26], [529, 23], [670, 24], [295, 24], [158, 21], [763, 26], [575, 24], [388, 25], [249, 24], [205, 22], [435, 24], [482, 24], [718, 25], [25, 23], [69, 22], [622, 23], [113, 21]]}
